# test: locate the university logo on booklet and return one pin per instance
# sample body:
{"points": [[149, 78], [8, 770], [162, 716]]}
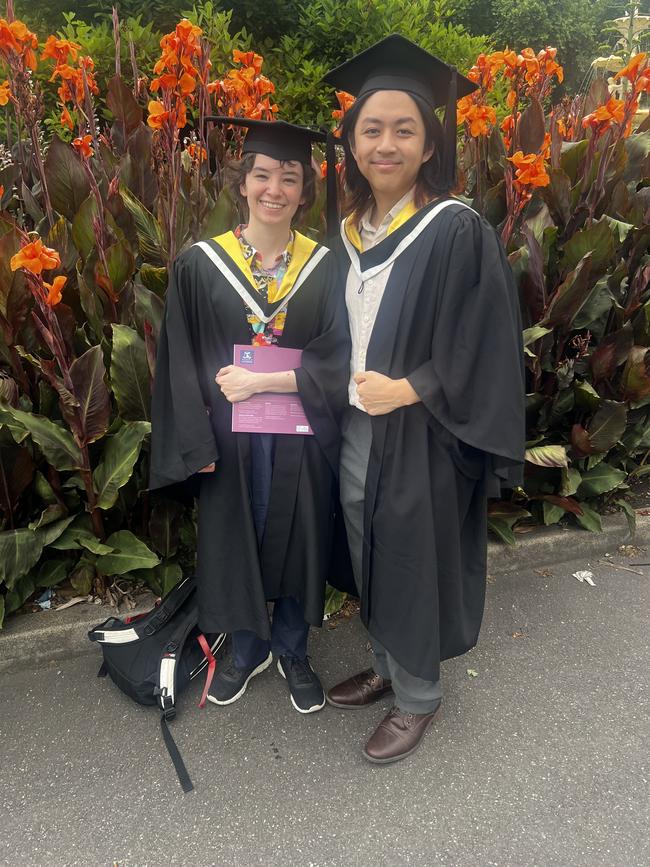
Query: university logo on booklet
{"points": [[247, 356]]}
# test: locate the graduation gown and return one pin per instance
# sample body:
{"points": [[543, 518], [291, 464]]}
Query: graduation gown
{"points": [[205, 316], [449, 322]]}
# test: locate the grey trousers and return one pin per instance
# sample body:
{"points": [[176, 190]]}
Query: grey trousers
{"points": [[413, 694]]}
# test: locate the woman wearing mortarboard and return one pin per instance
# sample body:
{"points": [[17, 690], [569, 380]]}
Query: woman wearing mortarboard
{"points": [[266, 500], [436, 417]]}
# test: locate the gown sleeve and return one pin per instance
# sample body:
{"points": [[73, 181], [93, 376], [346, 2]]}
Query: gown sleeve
{"points": [[473, 383], [323, 378], [182, 438]]}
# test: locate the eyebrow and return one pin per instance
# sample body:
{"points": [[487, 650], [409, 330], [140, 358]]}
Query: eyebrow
{"points": [[407, 119]]}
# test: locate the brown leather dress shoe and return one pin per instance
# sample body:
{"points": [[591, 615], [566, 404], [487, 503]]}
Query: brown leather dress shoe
{"points": [[398, 735], [360, 690]]}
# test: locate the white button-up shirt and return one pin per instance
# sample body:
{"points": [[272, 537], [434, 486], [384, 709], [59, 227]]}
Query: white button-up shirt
{"points": [[363, 299]]}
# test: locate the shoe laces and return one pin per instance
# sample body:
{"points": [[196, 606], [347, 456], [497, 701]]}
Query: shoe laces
{"points": [[300, 669]]}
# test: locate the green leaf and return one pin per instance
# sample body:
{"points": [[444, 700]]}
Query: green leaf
{"points": [[547, 456], [222, 216], [21, 549], [586, 395], [534, 333], [119, 457], [164, 526], [630, 514], [600, 480], [570, 481], [636, 376], [611, 352], [121, 265], [571, 157], [334, 600], [52, 572], [168, 575], [49, 515], [570, 297], [150, 236], [129, 553], [57, 444], [130, 374], [66, 179], [83, 233], [87, 374], [82, 577], [9, 245], [122, 104], [597, 239], [155, 279], [552, 513], [607, 426], [589, 519], [19, 594], [502, 530]]}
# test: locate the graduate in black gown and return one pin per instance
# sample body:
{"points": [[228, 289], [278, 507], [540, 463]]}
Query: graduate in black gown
{"points": [[436, 417], [266, 501]]}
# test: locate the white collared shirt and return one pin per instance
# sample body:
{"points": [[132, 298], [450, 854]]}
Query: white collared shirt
{"points": [[363, 298]]}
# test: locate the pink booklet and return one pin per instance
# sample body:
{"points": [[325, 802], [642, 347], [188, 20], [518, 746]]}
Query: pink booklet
{"points": [[269, 413]]}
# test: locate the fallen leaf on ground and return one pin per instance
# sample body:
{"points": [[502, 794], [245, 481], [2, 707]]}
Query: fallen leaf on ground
{"points": [[586, 577], [472, 672], [545, 573], [518, 634]]}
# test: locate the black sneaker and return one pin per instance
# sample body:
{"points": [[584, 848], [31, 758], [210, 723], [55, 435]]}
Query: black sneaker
{"points": [[230, 682], [307, 694]]}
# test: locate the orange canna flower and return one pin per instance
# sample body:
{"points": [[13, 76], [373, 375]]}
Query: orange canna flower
{"points": [[633, 68], [5, 92], [186, 84], [8, 41], [346, 101], [181, 115], [530, 170], [35, 257], [83, 146], [54, 290], [613, 112], [248, 58], [157, 114], [197, 152], [478, 117], [511, 98], [2, 190], [60, 50], [66, 119]]}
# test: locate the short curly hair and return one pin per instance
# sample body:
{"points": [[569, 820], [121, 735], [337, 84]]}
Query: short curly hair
{"points": [[236, 171]]}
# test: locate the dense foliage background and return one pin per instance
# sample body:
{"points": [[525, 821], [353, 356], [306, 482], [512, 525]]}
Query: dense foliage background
{"points": [[107, 171]]}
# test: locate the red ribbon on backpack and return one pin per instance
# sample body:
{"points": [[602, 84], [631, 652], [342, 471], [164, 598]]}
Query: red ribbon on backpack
{"points": [[212, 663]]}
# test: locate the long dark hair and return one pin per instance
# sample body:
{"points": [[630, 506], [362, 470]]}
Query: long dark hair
{"points": [[428, 185]]}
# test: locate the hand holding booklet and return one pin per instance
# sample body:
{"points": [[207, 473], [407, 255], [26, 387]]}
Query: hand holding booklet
{"points": [[266, 412]]}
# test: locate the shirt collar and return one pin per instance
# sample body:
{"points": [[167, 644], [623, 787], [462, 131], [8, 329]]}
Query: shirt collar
{"points": [[251, 253], [366, 227]]}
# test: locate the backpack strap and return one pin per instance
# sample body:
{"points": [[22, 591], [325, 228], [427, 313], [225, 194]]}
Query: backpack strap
{"points": [[166, 691], [114, 631], [205, 647]]}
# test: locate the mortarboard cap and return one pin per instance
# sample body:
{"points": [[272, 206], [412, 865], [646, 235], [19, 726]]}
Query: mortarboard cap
{"points": [[275, 138], [396, 63]]}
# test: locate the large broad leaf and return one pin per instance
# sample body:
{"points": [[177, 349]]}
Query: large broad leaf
{"points": [[572, 155], [570, 297], [21, 549], [547, 456], [90, 304], [52, 572], [167, 576], [600, 480], [637, 148], [531, 128], [607, 426], [130, 374], [534, 333], [87, 374], [16, 474], [22, 590], [598, 239], [636, 376], [9, 245], [586, 395], [221, 217], [571, 479], [598, 302], [121, 265], [164, 526], [83, 233], [116, 466], [66, 180], [123, 105], [57, 444], [557, 195], [129, 553], [150, 236], [590, 519], [148, 308], [611, 352]]}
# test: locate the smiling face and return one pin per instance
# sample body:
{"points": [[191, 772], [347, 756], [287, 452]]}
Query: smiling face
{"points": [[388, 143], [273, 191]]}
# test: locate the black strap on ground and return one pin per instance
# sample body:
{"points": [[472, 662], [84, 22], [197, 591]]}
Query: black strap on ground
{"points": [[103, 670], [175, 756]]}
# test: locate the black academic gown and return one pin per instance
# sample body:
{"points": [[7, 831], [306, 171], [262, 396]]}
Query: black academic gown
{"points": [[448, 321], [205, 316]]}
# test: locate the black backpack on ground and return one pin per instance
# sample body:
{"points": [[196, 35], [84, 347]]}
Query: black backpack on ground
{"points": [[153, 657]]}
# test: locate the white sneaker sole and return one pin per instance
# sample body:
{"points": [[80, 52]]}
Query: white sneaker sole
{"points": [[260, 668], [312, 709]]}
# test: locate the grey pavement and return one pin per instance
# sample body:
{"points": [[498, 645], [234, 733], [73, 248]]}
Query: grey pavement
{"points": [[539, 760]]}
